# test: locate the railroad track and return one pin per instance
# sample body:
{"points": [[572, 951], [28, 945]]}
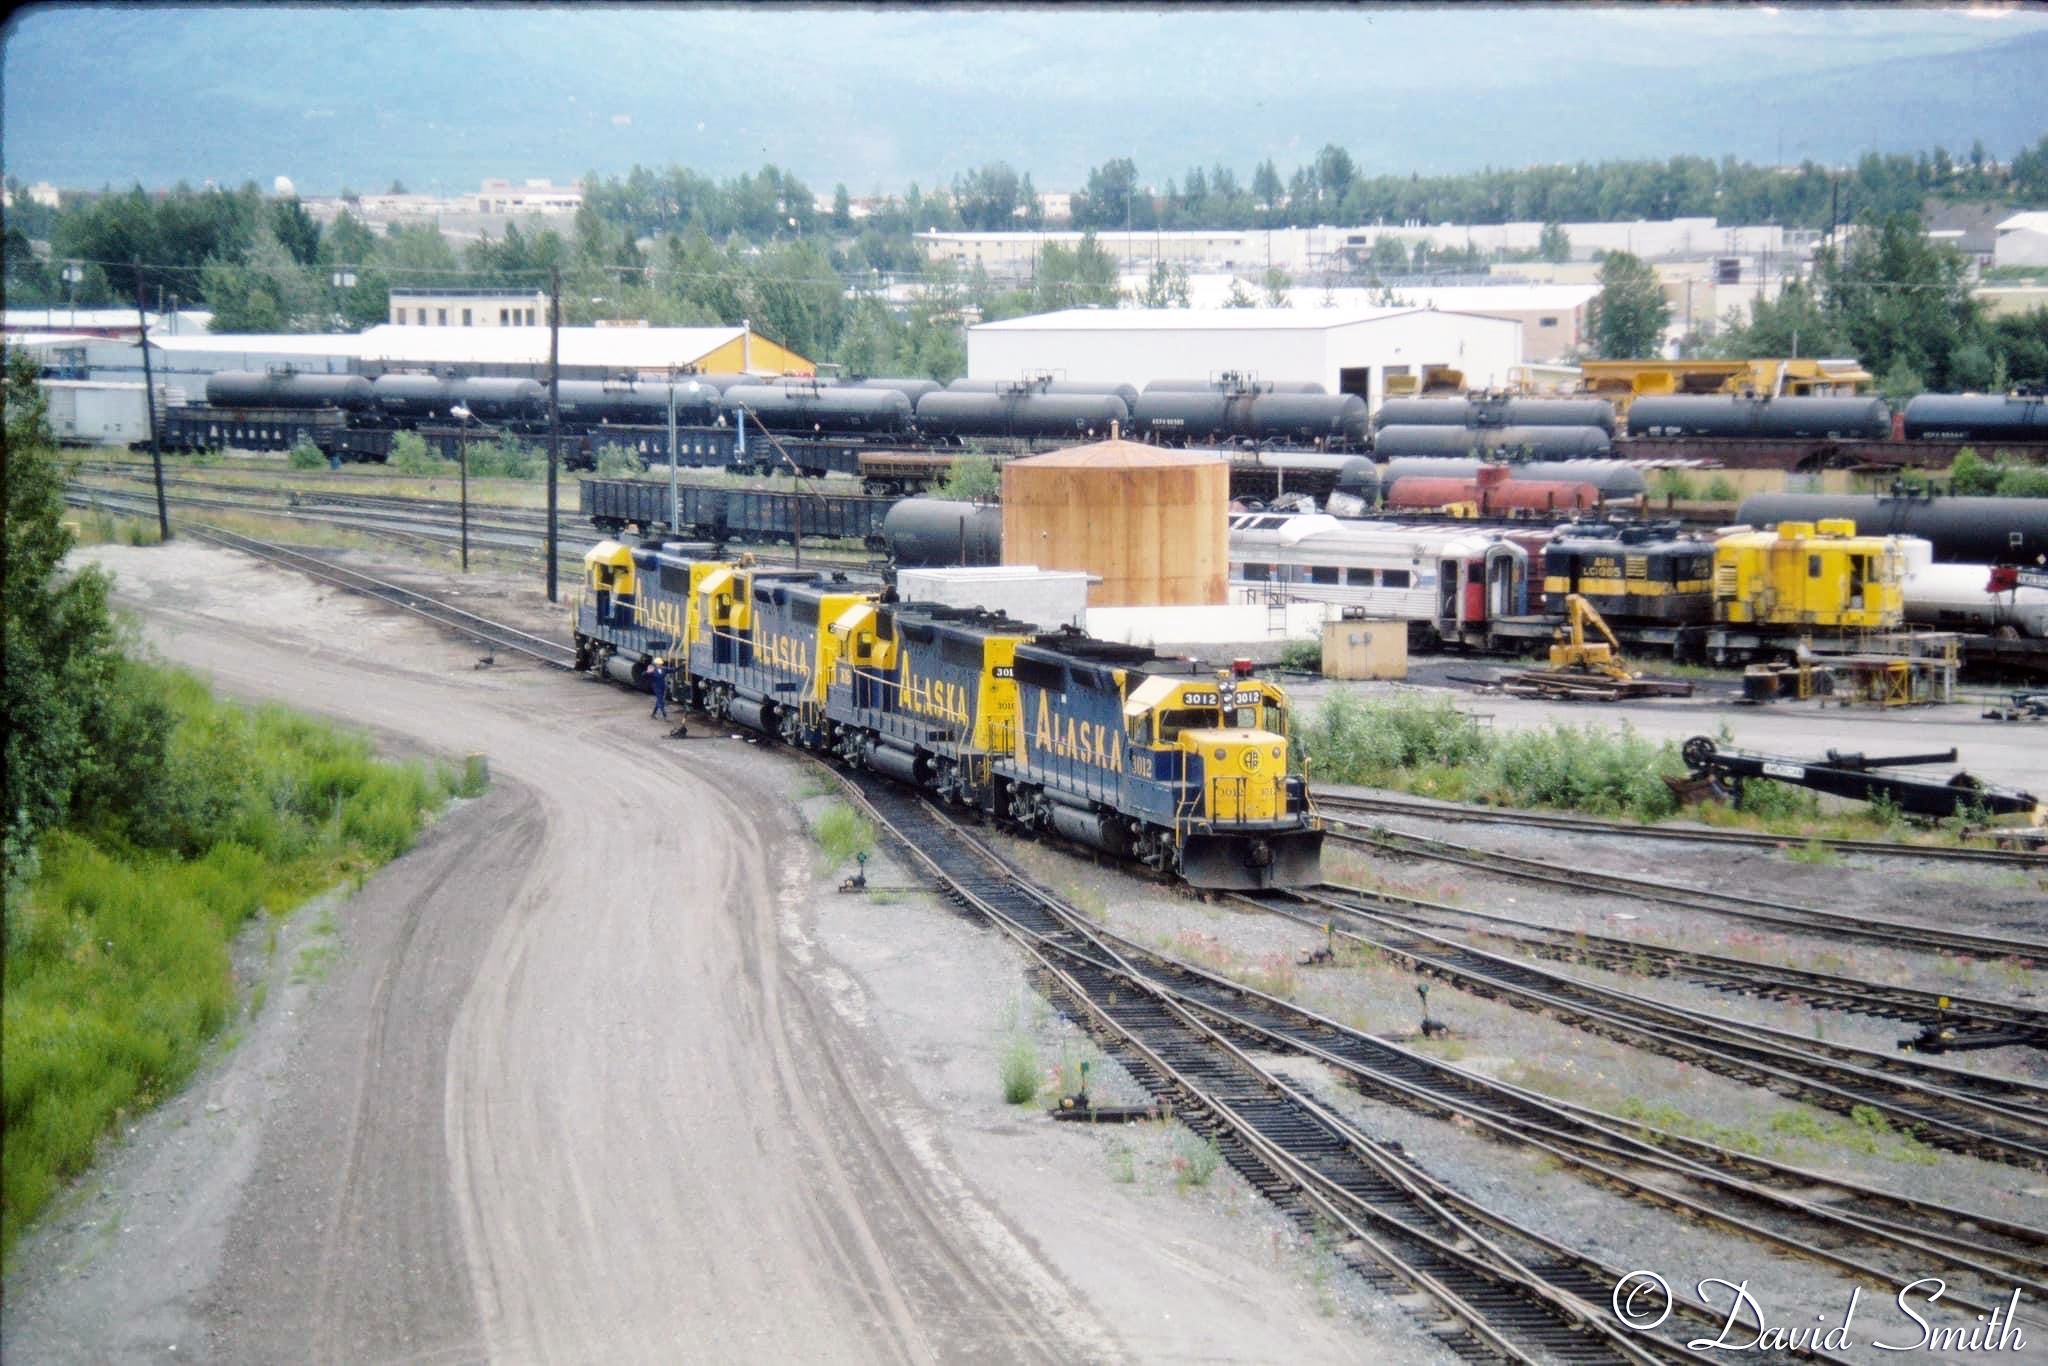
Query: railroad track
{"points": [[1974, 1022], [1802, 1212], [422, 605], [1781, 914], [1503, 1290], [422, 523], [1593, 825], [1991, 1117]]}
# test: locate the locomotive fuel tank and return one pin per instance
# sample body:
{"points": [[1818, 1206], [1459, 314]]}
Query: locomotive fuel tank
{"points": [[1781, 418], [962, 413], [501, 400], [804, 408], [412, 397], [1540, 443], [253, 389], [922, 532], [1977, 417], [1973, 530]]}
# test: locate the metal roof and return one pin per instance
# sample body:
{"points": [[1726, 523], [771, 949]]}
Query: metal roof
{"points": [[257, 343], [646, 348], [2035, 221], [1195, 320]]}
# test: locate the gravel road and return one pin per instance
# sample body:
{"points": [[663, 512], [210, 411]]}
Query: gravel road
{"points": [[580, 1085]]}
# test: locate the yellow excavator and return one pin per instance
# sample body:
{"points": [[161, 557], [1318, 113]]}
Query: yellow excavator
{"points": [[1586, 670], [1570, 652]]}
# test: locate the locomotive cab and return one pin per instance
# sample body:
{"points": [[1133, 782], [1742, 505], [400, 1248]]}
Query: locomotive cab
{"points": [[608, 574], [1243, 822]]}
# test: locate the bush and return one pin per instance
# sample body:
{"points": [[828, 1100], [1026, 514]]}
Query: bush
{"points": [[306, 456], [1673, 484], [409, 455], [1305, 656], [973, 478], [1721, 489], [195, 815], [841, 833], [615, 461], [1350, 740], [1019, 1067], [506, 458]]}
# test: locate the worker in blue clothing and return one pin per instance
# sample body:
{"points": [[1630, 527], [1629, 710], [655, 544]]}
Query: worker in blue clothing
{"points": [[657, 679]]}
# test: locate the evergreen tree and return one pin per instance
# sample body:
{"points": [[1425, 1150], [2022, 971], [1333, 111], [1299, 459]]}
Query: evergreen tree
{"points": [[1629, 313]]}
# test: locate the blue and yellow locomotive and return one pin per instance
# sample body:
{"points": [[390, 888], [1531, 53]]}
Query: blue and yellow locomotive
{"points": [[1104, 744]]}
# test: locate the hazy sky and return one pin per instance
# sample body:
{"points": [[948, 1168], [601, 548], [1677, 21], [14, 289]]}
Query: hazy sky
{"points": [[879, 97]]}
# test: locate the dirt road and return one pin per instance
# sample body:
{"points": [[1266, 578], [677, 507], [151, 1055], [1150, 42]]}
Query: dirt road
{"points": [[580, 1086], [564, 1099]]}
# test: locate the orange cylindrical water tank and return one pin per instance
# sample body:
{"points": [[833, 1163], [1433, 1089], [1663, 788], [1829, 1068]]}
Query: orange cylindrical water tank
{"points": [[1152, 523]]}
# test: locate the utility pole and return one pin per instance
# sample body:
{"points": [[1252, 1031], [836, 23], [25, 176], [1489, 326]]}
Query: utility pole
{"points": [[554, 418], [156, 444]]}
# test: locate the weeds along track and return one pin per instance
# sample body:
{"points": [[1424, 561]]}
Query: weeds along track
{"points": [[1500, 1290], [1973, 1021], [1783, 915], [1990, 1117], [1340, 804]]}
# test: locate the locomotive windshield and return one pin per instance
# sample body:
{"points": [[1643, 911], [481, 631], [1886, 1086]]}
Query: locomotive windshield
{"points": [[1173, 722]]}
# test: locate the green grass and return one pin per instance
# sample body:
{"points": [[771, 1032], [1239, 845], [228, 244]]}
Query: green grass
{"points": [[1814, 852], [117, 940], [842, 833], [1429, 747], [1195, 1159], [1018, 1066]]}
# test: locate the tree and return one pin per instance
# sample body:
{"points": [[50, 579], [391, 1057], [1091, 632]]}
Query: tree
{"points": [[59, 636], [1266, 187], [1110, 198], [1793, 324], [842, 207], [1277, 283], [1629, 313], [1238, 298], [1334, 172], [1165, 287], [1903, 301], [1555, 244]]}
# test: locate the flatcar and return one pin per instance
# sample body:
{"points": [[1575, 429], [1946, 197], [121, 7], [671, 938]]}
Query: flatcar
{"points": [[1107, 745]]}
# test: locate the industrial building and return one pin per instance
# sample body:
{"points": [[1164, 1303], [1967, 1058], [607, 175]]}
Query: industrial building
{"points": [[597, 353], [1306, 251], [2022, 241], [1350, 351], [469, 307]]}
